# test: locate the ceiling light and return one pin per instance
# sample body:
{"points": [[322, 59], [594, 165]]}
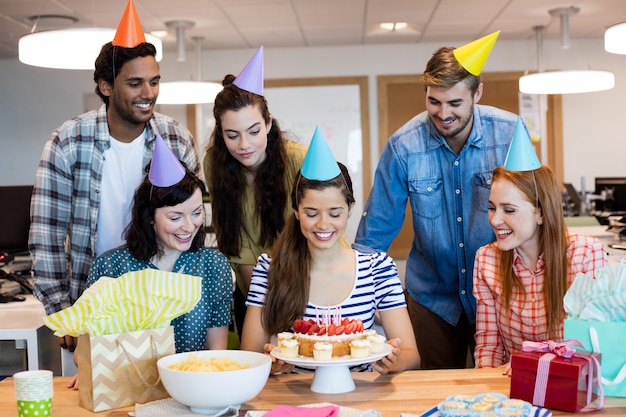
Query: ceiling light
{"points": [[563, 82], [189, 92], [615, 39], [70, 48], [566, 82], [180, 26], [394, 26]]}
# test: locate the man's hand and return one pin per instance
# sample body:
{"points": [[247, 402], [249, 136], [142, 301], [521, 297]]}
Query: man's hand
{"points": [[68, 342]]}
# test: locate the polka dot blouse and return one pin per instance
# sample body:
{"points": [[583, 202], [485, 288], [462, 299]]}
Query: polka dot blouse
{"points": [[213, 309]]}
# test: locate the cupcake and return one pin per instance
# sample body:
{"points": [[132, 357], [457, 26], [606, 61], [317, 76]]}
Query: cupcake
{"points": [[481, 407], [457, 412], [359, 348], [377, 343], [322, 351], [369, 333], [514, 412], [513, 403], [284, 336], [469, 399], [491, 398], [289, 348]]}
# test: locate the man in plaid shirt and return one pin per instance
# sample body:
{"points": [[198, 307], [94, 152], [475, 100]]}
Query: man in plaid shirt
{"points": [[89, 170]]}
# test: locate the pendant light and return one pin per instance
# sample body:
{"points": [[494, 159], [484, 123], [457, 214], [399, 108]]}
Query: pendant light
{"points": [[187, 91], [564, 82], [615, 39], [75, 48]]}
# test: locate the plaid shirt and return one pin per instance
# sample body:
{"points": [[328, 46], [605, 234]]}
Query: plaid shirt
{"points": [[66, 196], [497, 337]]}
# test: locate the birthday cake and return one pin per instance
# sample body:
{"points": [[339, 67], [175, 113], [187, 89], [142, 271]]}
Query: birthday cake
{"points": [[339, 334]]}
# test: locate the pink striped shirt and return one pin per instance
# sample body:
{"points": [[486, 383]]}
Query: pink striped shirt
{"points": [[497, 335]]}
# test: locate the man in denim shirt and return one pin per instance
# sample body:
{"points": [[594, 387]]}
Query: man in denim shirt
{"points": [[442, 161]]}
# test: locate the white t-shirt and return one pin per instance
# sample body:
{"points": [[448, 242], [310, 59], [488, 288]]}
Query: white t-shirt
{"points": [[121, 175]]}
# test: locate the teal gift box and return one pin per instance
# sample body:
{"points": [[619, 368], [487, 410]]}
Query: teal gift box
{"points": [[609, 339]]}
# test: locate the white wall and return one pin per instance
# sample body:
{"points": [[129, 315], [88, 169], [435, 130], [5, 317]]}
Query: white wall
{"points": [[34, 101]]}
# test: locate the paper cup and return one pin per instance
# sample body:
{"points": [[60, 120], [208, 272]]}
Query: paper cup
{"points": [[33, 392]]}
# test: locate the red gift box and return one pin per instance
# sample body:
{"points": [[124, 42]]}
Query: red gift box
{"points": [[547, 378]]}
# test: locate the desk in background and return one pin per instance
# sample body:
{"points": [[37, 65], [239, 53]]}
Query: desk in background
{"points": [[406, 392], [599, 231], [21, 321]]}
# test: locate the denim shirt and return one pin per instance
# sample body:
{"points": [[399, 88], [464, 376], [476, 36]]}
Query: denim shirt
{"points": [[449, 196]]}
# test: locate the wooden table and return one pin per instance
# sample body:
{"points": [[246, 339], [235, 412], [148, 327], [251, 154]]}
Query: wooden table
{"points": [[407, 392]]}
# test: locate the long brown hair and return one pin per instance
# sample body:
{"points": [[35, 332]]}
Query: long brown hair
{"points": [[227, 176], [541, 188], [288, 277]]}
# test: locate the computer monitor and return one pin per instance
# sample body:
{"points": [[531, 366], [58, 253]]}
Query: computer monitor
{"points": [[613, 192], [15, 218], [574, 198]]}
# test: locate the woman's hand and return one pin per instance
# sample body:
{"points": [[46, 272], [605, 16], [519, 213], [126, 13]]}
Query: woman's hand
{"points": [[506, 369], [73, 383], [385, 365], [278, 366]]}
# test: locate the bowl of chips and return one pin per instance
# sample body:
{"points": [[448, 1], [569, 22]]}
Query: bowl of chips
{"points": [[209, 381]]}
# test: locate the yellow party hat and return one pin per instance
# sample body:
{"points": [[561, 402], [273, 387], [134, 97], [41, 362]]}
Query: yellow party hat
{"points": [[129, 31], [473, 55]]}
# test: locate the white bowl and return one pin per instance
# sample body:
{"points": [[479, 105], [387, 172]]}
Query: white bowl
{"points": [[210, 392]]}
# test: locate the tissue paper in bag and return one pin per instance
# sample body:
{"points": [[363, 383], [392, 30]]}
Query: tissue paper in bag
{"points": [[595, 305]]}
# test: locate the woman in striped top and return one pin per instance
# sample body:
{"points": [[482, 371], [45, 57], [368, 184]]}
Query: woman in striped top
{"points": [[311, 270]]}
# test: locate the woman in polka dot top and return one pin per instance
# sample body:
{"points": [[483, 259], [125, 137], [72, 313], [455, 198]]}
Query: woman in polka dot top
{"points": [[166, 233]]}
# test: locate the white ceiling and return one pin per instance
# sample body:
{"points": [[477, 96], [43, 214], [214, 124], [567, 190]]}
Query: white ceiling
{"points": [[307, 23]]}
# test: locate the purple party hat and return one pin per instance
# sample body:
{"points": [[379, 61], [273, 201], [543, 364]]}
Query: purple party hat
{"points": [[521, 155], [319, 163], [165, 169], [251, 76]]}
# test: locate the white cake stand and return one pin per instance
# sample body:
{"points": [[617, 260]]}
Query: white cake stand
{"points": [[333, 376]]}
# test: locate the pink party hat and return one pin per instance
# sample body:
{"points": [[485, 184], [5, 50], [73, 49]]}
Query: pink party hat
{"points": [[129, 31], [521, 155], [319, 163], [473, 55], [165, 169], [251, 76]]}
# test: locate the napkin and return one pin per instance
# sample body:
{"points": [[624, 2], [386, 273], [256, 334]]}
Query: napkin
{"points": [[292, 411], [316, 410], [598, 295], [137, 300], [169, 407]]}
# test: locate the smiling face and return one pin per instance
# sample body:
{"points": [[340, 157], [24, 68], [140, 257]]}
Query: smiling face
{"points": [[514, 219], [323, 216], [133, 96], [245, 135], [176, 226], [451, 110]]}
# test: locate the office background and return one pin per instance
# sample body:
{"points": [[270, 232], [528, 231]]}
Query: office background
{"points": [[34, 101]]}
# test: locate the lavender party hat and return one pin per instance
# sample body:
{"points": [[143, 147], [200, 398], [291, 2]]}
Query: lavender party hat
{"points": [[165, 169]]}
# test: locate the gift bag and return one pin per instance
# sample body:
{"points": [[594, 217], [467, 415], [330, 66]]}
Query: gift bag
{"points": [[118, 370], [608, 338]]}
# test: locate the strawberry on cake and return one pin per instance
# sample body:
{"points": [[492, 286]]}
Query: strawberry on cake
{"points": [[338, 333]]}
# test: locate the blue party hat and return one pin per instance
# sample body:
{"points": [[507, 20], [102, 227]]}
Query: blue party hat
{"points": [[521, 155], [165, 169], [251, 76], [319, 163]]}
